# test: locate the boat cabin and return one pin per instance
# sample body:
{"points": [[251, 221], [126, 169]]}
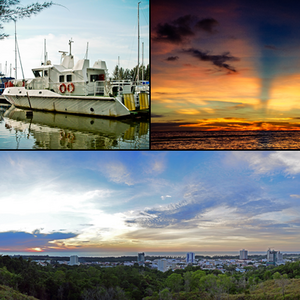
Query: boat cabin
{"points": [[66, 78]]}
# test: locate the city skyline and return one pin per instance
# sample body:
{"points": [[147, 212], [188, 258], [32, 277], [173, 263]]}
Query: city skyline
{"points": [[110, 28], [229, 66], [129, 202]]}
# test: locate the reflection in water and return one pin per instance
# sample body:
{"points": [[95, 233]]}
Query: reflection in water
{"points": [[44, 130]]}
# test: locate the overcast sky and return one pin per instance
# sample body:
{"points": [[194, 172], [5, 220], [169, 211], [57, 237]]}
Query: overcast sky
{"points": [[225, 65], [149, 201], [110, 27]]}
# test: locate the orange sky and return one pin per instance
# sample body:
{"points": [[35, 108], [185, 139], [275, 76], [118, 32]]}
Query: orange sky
{"points": [[262, 93]]}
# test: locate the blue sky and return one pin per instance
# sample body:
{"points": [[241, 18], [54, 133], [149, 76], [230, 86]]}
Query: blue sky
{"points": [[126, 201], [110, 27]]}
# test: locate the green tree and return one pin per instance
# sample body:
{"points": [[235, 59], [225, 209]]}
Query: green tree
{"points": [[196, 276], [165, 294], [9, 11], [174, 282]]}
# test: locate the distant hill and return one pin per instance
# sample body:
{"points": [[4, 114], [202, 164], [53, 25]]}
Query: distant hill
{"points": [[7, 293]]}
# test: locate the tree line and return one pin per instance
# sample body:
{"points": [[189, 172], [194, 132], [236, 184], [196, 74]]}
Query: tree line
{"points": [[131, 74], [56, 281]]}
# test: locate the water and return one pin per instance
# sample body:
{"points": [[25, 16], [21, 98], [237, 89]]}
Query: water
{"points": [[45, 130], [211, 140], [132, 253]]}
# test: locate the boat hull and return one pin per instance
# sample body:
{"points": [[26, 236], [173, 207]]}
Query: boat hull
{"points": [[46, 100]]}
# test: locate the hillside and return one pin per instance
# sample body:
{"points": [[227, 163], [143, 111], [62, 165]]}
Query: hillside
{"points": [[7, 293]]}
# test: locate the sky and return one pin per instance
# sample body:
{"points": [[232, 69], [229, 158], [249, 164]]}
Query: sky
{"points": [[225, 65], [110, 28], [122, 202]]}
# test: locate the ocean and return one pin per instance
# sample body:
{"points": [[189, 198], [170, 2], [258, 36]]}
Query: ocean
{"points": [[225, 140], [119, 253]]}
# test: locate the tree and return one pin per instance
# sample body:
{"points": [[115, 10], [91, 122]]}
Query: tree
{"points": [[174, 282], [282, 281], [10, 12]]}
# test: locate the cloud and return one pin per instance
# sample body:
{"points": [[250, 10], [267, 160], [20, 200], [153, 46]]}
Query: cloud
{"points": [[217, 60], [20, 240], [207, 25], [265, 162], [183, 28], [177, 32], [295, 196], [172, 58], [164, 197], [245, 198], [117, 172]]}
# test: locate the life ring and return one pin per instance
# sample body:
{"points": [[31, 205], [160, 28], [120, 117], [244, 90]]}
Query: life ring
{"points": [[71, 87], [62, 88]]}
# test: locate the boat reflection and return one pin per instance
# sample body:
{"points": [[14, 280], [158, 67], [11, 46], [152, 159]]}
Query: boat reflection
{"points": [[62, 131]]}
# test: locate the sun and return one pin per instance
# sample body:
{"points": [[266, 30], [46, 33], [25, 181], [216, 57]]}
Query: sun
{"points": [[36, 249]]}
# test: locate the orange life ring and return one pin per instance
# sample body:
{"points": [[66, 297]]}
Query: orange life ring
{"points": [[71, 87], [62, 88]]}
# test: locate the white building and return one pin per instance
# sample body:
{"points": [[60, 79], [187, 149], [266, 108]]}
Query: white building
{"points": [[162, 265], [190, 257], [74, 260], [244, 254]]}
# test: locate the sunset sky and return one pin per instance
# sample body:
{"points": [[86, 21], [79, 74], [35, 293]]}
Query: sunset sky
{"points": [[225, 65], [110, 28], [125, 202]]}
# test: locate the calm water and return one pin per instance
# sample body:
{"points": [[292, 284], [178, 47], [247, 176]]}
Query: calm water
{"points": [[118, 254], [46, 130], [225, 140]]}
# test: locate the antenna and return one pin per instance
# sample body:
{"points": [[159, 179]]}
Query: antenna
{"points": [[70, 42], [87, 50]]}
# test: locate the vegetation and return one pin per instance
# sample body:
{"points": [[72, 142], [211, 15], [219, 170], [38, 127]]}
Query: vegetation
{"points": [[10, 12], [121, 74], [7, 293], [89, 282]]}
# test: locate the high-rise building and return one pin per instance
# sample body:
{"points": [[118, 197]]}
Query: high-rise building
{"points": [[74, 260], [162, 265], [141, 258], [274, 257], [190, 257], [244, 254]]}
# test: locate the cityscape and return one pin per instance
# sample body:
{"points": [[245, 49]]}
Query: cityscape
{"points": [[273, 258]]}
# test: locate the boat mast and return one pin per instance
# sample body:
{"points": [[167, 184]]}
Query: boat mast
{"points": [[15, 49], [142, 60], [45, 53], [138, 66]]}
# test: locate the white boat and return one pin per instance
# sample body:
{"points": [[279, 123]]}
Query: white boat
{"points": [[75, 89]]}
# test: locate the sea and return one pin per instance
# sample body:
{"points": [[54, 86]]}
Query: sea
{"points": [[225, 140], [119, 253], [46, 130]]}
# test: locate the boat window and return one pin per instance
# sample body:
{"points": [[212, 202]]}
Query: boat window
{"points": [[69, 78], [45, 73], [61, 78], [94, 77], [38, 73]]}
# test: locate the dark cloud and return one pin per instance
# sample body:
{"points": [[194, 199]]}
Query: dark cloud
{"points": [[176, 32], [207, 25], [217, 60], [172, 58], [245, 198], [157, 116], [272, 47], [183, 28], [23, 240]]}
